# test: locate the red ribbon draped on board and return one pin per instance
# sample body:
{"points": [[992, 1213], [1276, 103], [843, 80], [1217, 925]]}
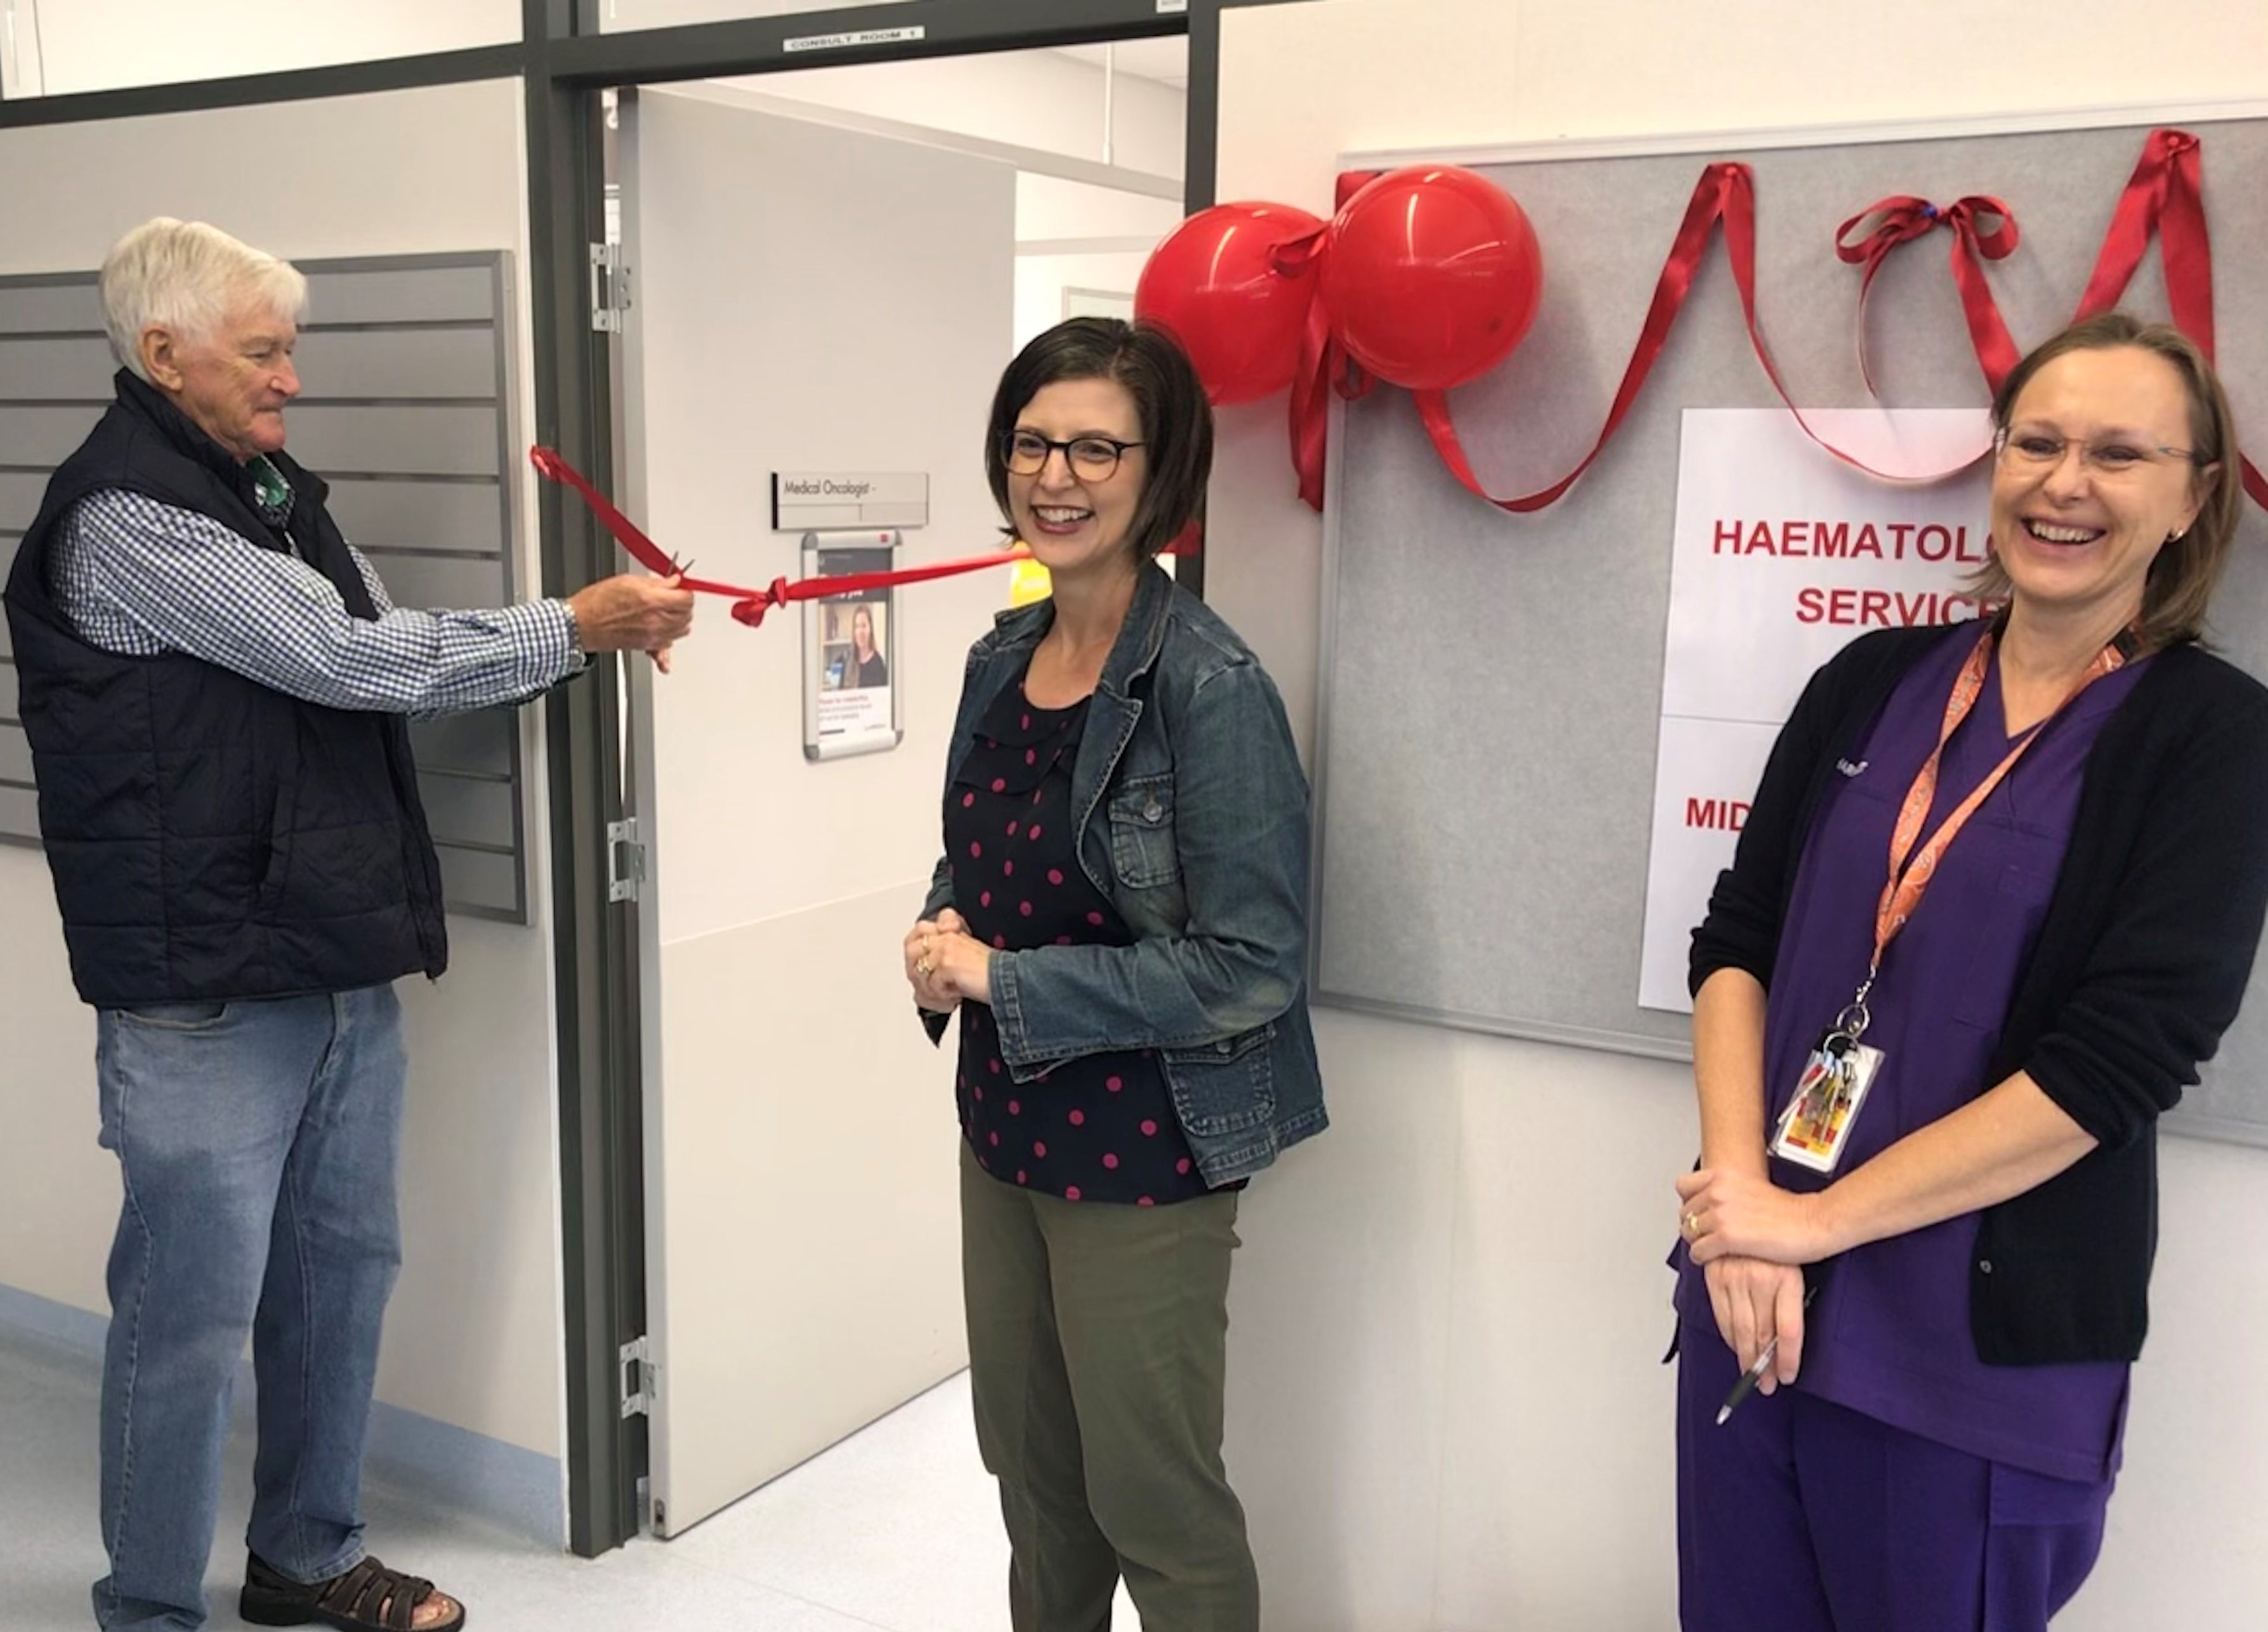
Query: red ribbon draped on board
{"points": [[2164, 197], [749, 605], [1902, 219], [1725, 195], [2166, 194]]}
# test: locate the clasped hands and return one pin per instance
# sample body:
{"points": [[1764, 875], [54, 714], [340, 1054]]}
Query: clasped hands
{"points": [[945, 965], [1751, 1239]]}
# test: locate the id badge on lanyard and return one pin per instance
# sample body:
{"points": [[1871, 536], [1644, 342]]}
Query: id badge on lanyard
{"points": [[1815, 1129]]}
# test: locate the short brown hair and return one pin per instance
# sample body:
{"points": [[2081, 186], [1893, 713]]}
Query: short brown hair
{"points": [[1157, 373], [2182, 579]]}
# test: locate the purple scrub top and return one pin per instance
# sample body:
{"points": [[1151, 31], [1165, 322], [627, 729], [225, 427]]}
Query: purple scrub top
{"points": [[1888, 1334]]}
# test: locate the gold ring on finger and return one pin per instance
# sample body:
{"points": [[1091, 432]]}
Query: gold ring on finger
{"points": [[1693, 1224]]}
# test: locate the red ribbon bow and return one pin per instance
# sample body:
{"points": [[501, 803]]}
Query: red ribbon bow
{"points": [[1902, 219]]}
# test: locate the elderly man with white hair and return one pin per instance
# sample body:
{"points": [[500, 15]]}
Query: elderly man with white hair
{"points": [[215, 685]]}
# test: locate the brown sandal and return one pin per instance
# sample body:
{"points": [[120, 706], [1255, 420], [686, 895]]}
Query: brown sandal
{"points": [[369, 1597]]}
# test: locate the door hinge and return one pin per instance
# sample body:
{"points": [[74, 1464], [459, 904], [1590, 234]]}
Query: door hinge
{"points": [[610, 288], [625, 861], [641, 1383]]}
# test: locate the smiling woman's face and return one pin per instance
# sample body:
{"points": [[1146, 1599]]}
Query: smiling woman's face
{"points": [[2084, 492], [1079, 524]]}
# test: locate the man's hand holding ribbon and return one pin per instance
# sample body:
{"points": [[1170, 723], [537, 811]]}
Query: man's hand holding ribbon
{"points": [[631, 613]]}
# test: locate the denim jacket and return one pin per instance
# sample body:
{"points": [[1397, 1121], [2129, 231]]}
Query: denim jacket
{"points": [[1192, 818]]}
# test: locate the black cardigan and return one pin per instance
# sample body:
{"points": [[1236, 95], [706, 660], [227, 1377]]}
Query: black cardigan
{"points": [[2140, 966]]}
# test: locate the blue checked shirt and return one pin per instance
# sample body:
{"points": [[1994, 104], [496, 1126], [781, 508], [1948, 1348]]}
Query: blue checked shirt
{"points": [[138, 577]]}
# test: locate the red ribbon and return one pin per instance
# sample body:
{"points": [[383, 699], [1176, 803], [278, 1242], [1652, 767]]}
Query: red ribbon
{"points": [[1324, 367], [1902, 219], [2166, 194], [750, 605], [1726, 193], [751, 612]]}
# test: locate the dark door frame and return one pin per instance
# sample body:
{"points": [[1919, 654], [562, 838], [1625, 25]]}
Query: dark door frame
{"points": [[564, 63]]}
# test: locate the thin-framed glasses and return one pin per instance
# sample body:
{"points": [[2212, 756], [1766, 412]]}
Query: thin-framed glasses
{"points": [[2040, 450], [1091, 458]]}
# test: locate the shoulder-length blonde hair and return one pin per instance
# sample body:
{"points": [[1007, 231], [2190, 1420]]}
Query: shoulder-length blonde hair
{"points": [[2182, 579]]}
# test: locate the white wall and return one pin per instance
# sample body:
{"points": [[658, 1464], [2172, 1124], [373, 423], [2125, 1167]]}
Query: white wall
{"points": [[474, 1335], [1043, 281], [1035, 99], [1445, 1408], [1052, 213], [101, 45], [1052, 210]]}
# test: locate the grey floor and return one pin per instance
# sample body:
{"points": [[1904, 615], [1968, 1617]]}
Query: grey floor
{"points": [[893, 1529]]}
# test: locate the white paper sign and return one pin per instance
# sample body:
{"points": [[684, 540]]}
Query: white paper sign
{"points": [[1781, 555]]}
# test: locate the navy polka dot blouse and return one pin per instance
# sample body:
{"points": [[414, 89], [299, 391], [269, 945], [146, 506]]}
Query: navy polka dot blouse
{"points": [[1096, 1129]]}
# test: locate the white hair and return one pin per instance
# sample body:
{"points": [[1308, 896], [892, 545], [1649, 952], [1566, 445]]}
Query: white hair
{"points": [[188, 277]]}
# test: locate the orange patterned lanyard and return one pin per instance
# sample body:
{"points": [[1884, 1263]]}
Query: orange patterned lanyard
{"points": [[1910, 881]]}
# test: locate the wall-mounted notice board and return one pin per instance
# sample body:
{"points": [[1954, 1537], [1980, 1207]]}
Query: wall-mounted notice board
{"points": [[1492, 683]]}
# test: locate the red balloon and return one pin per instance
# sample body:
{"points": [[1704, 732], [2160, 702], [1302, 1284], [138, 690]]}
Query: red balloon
{"points": [[1432, 276], [1214, 284]]}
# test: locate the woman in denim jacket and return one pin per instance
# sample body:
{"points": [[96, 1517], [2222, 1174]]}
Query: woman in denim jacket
{"points": [[1120, 917]]}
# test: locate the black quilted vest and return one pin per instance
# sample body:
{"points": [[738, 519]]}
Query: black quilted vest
{"points": [[211, 838]]}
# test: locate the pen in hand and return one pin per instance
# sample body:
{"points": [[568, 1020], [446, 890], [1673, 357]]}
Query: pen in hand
{"points": [[1749, 1379], [1754, 1374]]}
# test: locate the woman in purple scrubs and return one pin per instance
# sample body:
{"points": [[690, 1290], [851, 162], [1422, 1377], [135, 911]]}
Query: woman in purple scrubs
{"points": [[1999, 895]]}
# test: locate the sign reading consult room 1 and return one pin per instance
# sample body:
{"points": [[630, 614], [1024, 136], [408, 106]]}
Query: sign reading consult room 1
{"points": [[803, 501]]}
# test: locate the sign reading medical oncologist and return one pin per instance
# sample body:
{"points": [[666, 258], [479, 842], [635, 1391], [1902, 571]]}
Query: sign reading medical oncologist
{"points": [[1781, 555], [803, 500]]}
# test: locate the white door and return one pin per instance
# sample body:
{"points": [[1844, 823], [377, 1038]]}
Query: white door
{"points": [[804, 299]]}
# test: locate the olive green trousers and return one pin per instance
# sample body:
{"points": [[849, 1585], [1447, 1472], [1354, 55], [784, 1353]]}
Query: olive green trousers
{"points": [[1098, 1343]]}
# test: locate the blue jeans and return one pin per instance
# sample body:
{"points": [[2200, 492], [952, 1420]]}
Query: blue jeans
{"points": [[258, 1142]]}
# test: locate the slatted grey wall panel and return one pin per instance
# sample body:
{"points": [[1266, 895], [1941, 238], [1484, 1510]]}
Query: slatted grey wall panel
{"points": [[405, 412], [60, 303], [43, 437], [56, 369]]}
